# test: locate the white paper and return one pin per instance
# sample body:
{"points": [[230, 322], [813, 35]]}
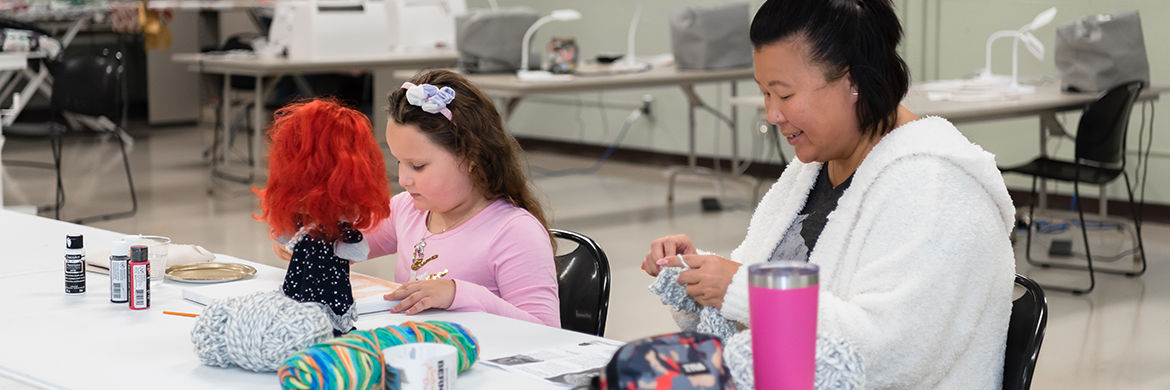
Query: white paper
{"points": [[572, 364]]}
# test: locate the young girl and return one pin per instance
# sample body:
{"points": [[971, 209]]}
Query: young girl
{"points": [[327, 181], [469, 232]]}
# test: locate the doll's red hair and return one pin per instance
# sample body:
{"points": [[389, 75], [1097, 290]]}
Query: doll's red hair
{"points": [[325, 167]]}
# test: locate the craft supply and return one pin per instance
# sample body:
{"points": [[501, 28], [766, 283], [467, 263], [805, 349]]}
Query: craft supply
{"points": [[420, 366], [354, 361], [119, 265], [258, 331], [139, 277], [209, 272], [782, 298], [175, 313], [74, 264]]}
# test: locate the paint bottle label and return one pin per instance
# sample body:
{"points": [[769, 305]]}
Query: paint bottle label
{"points": [[75, 273], [119, 268], [74, 265], [140, 284], [119, 288]]}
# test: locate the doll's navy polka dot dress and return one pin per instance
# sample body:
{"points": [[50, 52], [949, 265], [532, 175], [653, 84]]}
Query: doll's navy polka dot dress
{"points": [[317, 274]]}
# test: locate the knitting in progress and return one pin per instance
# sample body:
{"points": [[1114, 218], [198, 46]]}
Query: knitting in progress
{"points": [[258, 332], [839, 366], [354, 361]]}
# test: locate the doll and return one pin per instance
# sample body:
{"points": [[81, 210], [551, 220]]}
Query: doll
{"points": [[327, 182]]}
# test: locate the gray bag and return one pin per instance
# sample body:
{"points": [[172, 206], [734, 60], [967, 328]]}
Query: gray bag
{"points": [[489, 40], [711, 38], [1098, 52]]}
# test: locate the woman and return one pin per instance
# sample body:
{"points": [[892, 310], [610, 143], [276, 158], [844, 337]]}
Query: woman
{"points": [[906, 218]]}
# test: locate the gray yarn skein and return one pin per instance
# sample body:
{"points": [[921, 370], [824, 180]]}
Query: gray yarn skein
{"points": [[839, 366], [258, 332]]}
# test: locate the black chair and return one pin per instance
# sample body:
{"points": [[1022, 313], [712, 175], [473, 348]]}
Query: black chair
{"points": [[1025, 333], [583, 284], [1100, 158], [85, 90]]}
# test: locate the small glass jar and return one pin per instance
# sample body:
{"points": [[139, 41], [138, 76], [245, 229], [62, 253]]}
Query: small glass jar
{"points": [[562, 55]]}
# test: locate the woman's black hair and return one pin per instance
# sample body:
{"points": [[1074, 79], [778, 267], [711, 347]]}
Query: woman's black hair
{"points": [[855, 37]]}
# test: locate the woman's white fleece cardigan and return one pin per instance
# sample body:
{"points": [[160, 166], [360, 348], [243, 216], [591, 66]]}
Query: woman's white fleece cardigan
{"points": [[916, 263]]}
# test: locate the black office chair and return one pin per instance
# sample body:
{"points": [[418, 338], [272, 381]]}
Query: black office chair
{"points": [[1025, 334], [583, 284], [85, 90], [1100, 158]]}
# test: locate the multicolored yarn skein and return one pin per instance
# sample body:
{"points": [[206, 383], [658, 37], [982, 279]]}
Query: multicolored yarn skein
{"points": [[354, 361]]}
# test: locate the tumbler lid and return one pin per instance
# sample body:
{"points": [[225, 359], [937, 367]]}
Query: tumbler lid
{"points": [[783, 275]]}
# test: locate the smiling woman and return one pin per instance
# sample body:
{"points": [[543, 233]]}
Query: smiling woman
{"points": [[906, 218]]}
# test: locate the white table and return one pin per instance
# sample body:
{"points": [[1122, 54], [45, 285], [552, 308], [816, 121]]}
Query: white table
{"points": [[274, 68], [512, 90], [54, 341], [1045, 103]]}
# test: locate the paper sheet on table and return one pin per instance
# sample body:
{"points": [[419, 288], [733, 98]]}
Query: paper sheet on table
{"points": [[572, 364], [367, 291], [99, 261]]}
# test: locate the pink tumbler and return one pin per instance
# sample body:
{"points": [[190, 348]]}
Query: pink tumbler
{"points": [[782, 296]]}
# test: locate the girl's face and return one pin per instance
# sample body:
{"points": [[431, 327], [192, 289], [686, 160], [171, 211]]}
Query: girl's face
{"points": [[436, 179], [819, 118]]}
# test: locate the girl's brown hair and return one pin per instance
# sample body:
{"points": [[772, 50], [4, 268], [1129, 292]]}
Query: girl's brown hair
{"points": [[476, 134]]}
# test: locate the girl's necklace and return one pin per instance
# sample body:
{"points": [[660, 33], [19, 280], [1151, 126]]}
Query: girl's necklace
{"points": [[418, 261]]}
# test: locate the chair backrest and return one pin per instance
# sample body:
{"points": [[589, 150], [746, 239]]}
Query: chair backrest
{"points": [[1025, 333], [88, 85], [583, 284], [1101, 132]]}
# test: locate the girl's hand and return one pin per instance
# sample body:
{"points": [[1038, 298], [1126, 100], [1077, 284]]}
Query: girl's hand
{"points": [[666, 247], [419, 295], [281, 251], [708, 278]]}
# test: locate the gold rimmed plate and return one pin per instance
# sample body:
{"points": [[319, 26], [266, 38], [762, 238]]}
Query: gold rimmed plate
{"points": [[209, 272]]}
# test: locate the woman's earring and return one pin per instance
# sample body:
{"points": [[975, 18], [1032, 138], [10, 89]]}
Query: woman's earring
{"points": [[855, 94]]}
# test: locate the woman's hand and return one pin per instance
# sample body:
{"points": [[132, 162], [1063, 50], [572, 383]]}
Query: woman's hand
{"points": [[666, 247], [708, 278], [281, 251], [419, 295]]}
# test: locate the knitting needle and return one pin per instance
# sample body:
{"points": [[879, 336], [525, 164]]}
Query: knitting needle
{"points": [[174, 313]]}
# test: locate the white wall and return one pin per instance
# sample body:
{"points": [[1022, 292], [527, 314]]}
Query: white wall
{"points": [[944, 39]]}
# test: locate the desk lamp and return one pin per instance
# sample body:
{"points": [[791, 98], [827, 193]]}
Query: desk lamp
{"points": [[1034, 46], [629, 63], [538, 75]]}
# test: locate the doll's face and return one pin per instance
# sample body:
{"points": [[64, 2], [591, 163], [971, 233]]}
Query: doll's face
{"points": [[436, 179]]}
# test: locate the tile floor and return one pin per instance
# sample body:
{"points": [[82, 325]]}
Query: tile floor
{"points": [[1115, 337]]}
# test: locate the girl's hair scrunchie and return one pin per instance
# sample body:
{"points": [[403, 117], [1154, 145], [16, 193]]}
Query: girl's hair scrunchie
{"points": [[430, 98]]}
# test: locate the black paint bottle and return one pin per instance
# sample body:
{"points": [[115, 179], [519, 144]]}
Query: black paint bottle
{"points": [[74, 264]]}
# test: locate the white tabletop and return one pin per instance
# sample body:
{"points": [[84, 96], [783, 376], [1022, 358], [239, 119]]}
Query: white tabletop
{"points": [[240, 64], [52, 340], [1048, 98], [508, 85]]}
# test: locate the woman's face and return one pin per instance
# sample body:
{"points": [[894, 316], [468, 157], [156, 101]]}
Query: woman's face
{"points": [[436, 179], [817, 117]]}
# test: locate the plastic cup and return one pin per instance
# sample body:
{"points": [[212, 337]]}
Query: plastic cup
{"points": [[157, 254], [782, 298]]}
